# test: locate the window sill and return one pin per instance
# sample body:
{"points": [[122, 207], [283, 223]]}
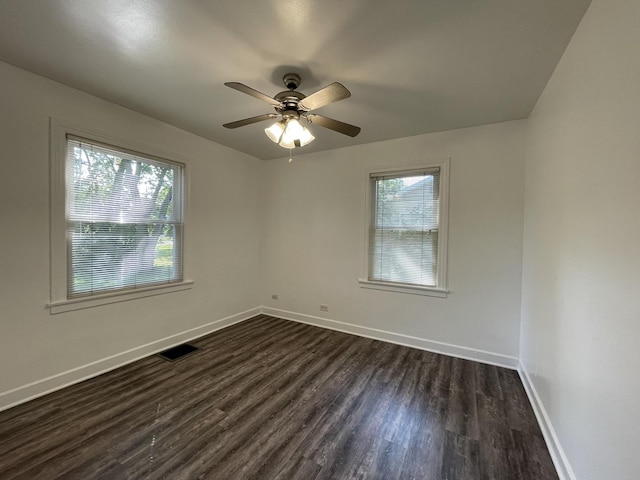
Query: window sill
{"points": [[116, 297], [399, 288]]}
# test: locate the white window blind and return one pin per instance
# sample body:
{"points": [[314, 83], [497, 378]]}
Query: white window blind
{"points": [[124, 219], [403, 242]]}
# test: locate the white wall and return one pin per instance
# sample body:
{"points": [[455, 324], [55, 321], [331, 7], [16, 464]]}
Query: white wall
{"points": [[314, 236], [222, 249], [581, 270]]}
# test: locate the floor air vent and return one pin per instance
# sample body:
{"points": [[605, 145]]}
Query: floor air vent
{"points": [[176, 353]]}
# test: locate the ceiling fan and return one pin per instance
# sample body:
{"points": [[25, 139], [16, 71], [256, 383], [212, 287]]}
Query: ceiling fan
{"points": [[293, 106]]}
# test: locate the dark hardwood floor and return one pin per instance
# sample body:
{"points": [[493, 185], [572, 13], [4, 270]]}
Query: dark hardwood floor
{"points": [[273, 399]]}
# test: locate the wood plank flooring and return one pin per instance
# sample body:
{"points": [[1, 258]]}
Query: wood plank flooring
{"points": [[273, 399]]}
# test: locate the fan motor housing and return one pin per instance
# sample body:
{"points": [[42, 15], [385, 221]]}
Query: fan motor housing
{"points": [[290, 99]]}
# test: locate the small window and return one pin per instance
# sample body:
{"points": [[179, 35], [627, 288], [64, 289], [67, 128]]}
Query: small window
{"points": [[407, 228], [124, 219]]}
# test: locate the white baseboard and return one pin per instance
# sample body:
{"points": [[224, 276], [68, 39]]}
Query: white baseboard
{"points": [[565, 472], [61, 380], [398, 338]]}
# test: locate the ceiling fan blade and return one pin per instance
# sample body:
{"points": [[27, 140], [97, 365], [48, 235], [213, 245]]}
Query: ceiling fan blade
{"points": [[249, 121], [329, 94], [254, 93], [335, 125]]}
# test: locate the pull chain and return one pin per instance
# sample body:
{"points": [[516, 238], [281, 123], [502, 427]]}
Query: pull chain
{"points": [[290, 157]]}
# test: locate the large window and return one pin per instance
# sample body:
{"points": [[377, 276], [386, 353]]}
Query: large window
{"points": [[117, 224], [124, 219], [407, 228]]}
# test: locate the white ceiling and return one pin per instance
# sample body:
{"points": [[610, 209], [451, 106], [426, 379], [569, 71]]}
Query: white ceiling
{"points": [[412, 66]]}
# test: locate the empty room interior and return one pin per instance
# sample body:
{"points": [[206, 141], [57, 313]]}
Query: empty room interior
{"points": [[402, 238]]}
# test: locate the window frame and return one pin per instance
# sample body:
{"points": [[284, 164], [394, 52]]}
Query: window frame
{"points": [[440, 289], [59, 253]]}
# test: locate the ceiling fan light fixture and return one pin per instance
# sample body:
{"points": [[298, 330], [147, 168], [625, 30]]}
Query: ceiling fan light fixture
{"points": [[295, 135], [289, 133], [275, 131]]}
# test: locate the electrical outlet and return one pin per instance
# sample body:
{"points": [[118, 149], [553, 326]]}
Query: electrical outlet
{"points": [[324, 308], [274, 297]]}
